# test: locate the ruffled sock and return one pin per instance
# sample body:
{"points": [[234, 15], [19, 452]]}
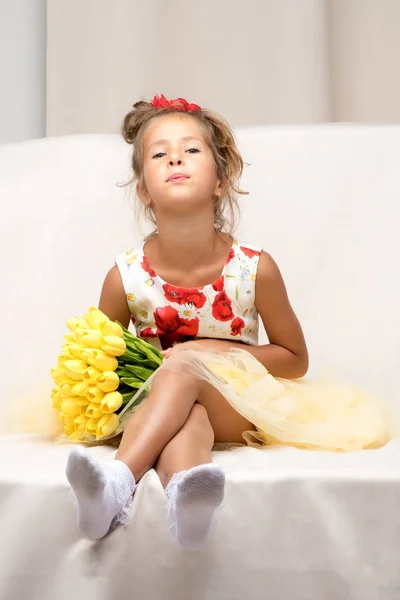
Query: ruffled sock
{"points": [[102, 491], [194, 496]]}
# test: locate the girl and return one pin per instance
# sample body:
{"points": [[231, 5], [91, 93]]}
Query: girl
{"points": [[190, 280]]}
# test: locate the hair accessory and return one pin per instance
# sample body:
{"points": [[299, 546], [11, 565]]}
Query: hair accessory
{"points": [[178, 104]]}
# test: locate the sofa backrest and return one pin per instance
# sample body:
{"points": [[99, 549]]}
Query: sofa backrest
{"points": [[324, 202]]}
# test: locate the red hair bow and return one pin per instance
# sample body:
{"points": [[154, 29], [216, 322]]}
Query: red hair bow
{"points": [[177, 104]]}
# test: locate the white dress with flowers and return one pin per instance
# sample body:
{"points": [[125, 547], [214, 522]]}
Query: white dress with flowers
{"points": [[164, 314], [308, 414]]}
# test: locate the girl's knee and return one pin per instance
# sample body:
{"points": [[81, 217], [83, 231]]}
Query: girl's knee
{"points": [[175, 376], [198, 415], [198, 421]]}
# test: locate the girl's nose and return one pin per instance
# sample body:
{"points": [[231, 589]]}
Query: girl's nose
{"points": [[173, 162]]}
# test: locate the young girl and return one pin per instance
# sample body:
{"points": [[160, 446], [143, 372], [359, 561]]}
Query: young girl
{"points": [[189, 287]]}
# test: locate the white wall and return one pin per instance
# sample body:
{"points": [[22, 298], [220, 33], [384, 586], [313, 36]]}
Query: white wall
{"points": [[254, 61], [22, 69]]}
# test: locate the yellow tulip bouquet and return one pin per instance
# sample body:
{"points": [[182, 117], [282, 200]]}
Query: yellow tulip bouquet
{"points": [[104, 373], [99, 376]]}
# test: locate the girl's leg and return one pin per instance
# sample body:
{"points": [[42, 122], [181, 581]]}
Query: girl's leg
{"points": [[103, 491], [165, 412], [194, 486], [189, 448], [157, 420]]}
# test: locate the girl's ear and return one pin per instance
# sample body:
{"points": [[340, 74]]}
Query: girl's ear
{"points": [[143, 195], [218, 190]]}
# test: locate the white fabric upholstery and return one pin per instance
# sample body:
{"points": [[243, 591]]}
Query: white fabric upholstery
{"points": [[309, 525]]}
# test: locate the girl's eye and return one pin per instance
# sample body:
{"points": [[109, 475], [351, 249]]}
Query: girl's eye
{"points": [[190, 151]]}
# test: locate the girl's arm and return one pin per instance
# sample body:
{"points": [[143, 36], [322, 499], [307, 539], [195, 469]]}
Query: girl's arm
{"points": [[113, 300], [286, 355]]}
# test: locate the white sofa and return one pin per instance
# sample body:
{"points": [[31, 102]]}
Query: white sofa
{"points": [[297, 524]]}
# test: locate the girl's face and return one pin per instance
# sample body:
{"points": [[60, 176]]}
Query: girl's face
{"points": [[178, 165]]}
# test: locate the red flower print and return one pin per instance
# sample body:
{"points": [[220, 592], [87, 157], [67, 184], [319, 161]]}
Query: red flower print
{"points": [[184, 296], [146, 267], [237, 326], [188, 327], [230, 255], [249, 253], [148, 332], [218, 286], [195, 297], [222, 307], [167, 319], [172, 329]]}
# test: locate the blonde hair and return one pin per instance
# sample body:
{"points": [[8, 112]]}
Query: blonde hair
{"points": [[221, 140]]}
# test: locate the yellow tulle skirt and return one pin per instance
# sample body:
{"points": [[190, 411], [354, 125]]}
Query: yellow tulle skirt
{"points": [[313, 414]]}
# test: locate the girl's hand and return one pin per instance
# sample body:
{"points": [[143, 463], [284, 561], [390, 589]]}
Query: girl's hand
{"points": [[167, 353], [191, 345], [210, 344]]}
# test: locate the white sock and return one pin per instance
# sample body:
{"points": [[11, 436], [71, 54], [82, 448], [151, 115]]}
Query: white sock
{"points": [[193, 497], [102, 491]]}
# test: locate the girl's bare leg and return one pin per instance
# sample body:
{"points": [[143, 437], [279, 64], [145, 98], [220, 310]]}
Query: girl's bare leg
{"points": [[195, 486], [103, 491], [165, 412], [157, 420], [190, 447]]}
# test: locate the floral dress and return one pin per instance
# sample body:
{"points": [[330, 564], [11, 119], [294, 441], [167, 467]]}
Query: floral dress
{"points": [[319, 414], [165, 314]]}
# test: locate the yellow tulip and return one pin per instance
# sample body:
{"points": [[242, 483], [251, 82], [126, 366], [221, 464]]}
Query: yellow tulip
{"points": [[79, 331], [91, 338], [91, 426], [111, 328], [94, 394], [107, 381], [80, 388], [59, 375], [76, 350], [69, 429], [111, 402], [77, 436], [82, 401], [88, 354], [57, 399], [93, 411], [113, 345], [107, 425], [71, 338], [91, 374], [66, 390], [69, 407], [75, 322], [95, 318], [68, 420], [81, 422], [67, 352], [103, 361], [61, 360], [75, 368]]}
